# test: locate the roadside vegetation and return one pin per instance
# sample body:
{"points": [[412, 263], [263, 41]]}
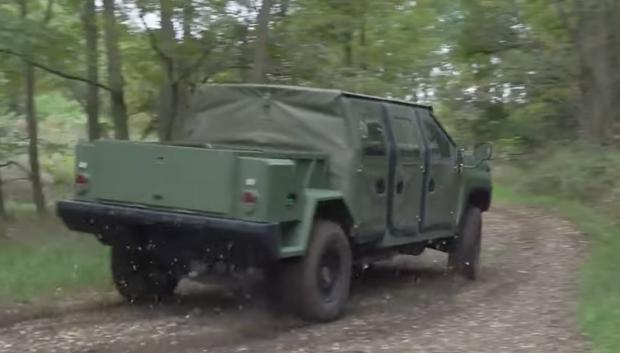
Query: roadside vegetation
{"points": [[582, 185], [538, 78], [41, 263]]}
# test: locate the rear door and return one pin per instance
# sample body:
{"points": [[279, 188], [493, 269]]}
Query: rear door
{"points": [[372, 184], [406, 172], [441, 181]]}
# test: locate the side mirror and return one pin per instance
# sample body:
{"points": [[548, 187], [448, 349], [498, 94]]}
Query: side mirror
{"points": [[483, 151]]}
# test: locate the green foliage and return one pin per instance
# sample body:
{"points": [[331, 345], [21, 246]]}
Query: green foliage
{"points": [[379, 48], [501, 71], [516, 73], [584, 174], [54, 106], [61, 166]]}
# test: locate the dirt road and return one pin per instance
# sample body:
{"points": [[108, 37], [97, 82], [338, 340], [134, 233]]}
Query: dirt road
{"points": [[524, 302]]}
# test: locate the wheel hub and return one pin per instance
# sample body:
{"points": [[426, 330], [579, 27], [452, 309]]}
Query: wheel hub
{"points": [[328, 273]]}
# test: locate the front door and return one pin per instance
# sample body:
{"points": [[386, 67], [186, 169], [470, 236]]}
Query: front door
{"points": [[441, 182], [406, 171]]}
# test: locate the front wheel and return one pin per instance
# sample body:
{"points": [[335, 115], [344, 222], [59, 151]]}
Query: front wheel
{"points": [[140, 276], [317, 285], [464, 257]]}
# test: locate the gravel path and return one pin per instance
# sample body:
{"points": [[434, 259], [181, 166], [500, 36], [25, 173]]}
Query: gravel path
{"points": [[525, 301]]}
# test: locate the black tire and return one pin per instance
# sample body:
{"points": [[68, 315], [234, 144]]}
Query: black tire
{"points": [[141, 277], [464, 257], [317, 285]]}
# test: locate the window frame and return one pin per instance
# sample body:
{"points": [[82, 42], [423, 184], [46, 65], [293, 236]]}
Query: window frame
{"points": [[405, 149], [374, 149], [431, 119]]}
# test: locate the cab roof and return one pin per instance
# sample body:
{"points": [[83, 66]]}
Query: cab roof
{"points": [[324, 91]]}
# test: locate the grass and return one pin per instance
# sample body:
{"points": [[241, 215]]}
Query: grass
{"points": [[599, 307], [42, 261], [45, 261]]}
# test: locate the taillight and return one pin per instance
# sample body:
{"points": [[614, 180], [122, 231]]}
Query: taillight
{"points": [[249, 198], [81, 179]]}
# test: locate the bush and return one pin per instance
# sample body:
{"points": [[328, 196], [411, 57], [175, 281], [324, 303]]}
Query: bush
{"points": [[60, 166], [585, 174]]}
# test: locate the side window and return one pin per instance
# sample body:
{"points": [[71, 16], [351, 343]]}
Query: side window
{"points": [[373, 138], [371, 129], [407, 139], [439, 145]]}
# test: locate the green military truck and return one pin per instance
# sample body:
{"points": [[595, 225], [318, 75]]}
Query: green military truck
{"points": [[304, 183]]}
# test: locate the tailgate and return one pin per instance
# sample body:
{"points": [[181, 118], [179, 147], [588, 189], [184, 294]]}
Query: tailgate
{"points": [[168, 176]]}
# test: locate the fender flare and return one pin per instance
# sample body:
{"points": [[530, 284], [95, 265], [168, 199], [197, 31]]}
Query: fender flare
{"points": [[295, 242]]}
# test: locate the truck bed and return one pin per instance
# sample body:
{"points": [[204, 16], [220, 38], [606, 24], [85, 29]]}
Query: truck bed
{"points": [[201, 178]]}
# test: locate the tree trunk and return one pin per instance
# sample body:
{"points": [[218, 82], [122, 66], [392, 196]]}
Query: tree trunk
{"points": [[169, 90], [115, 75], [348, 49], [613, 14], [284, 5], [262, 39], [3, 214], [89, 22], [245, 51], [33, 138], [188, 19], [598, 62], [33, 134], [363, 40]]}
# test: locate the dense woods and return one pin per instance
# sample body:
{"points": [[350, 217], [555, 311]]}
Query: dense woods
{"points": [[525, 74]]}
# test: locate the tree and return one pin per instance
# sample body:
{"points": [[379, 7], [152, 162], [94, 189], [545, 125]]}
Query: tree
{"points": [[262, 38], [115, 75], [31, 121], [169, 92], [196, 59], [89, 23], [3, 213], [596, 42]]}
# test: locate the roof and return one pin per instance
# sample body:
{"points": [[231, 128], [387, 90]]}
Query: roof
{"points": [[325, 91]]}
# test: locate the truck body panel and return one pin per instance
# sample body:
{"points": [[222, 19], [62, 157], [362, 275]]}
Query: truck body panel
{"points": [[273, 154], [209, 181]]}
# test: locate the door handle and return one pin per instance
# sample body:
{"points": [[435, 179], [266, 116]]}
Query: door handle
{"points": [[380, 186], [400, 186], [431, 185]]}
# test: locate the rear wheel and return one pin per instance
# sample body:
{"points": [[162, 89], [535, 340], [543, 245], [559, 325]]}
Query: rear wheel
{"points": [[140, 276], [464, 257], [317, 286]]}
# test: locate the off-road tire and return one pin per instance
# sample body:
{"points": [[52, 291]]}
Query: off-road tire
{"points": [[464, 257], [141, 277], [316, 286]]}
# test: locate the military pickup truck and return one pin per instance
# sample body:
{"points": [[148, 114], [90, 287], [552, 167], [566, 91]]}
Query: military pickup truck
{"points": [[306, 184]]}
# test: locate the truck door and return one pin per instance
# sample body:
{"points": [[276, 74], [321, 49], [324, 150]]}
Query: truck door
{"points": [[442, 178], [406, 171], [372, 184]]}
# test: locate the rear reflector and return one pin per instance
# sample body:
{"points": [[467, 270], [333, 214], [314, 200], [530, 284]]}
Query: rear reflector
{"points": [[81, 179], [249, 197]]}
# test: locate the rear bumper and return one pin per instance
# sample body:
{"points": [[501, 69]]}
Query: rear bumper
{"points": [[111, 222]]}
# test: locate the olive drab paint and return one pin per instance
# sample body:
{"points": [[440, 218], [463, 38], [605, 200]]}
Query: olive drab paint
{"points": [[273, 154]]}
